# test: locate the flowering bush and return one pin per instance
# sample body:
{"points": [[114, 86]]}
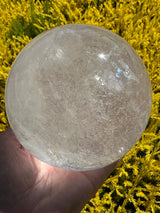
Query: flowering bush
{"points": [[134, 186]]}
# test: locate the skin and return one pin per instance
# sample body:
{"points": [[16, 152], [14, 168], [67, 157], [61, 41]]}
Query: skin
{"points": [[30, 186]]}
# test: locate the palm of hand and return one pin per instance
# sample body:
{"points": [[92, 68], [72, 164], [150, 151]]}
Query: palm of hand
{"points": [[30, 186]]}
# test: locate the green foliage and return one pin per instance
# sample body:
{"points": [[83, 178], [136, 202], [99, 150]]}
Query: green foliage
{"points": [[20, 27], [32, 27], [134, 184]]}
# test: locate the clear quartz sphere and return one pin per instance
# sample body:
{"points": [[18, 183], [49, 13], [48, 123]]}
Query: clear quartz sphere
{"points": [[78, 97]]}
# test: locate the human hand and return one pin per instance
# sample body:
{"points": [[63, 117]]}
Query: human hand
{"points": [[28, 185]]}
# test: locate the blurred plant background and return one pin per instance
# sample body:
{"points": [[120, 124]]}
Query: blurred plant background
{"points": [[134, 186]]}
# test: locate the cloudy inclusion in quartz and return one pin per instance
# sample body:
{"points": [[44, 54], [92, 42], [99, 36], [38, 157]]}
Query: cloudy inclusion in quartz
{"points": [[78, 97]]}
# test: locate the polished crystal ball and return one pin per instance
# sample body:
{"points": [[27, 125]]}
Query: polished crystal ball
{"points": [[78, 97]]}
